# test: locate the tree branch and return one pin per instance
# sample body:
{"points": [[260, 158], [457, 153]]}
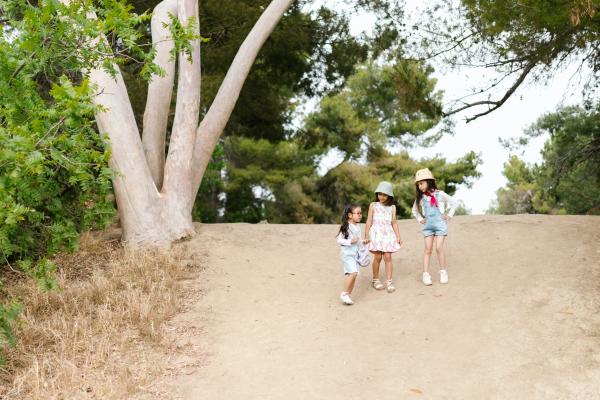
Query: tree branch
{"points": [[160, 91], [494, 105], [178, 168], [214, 121]]}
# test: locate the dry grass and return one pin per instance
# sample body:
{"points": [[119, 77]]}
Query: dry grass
{"points": [[99, 336]]}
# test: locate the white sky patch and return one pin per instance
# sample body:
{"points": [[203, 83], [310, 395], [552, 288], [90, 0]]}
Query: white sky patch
{"points": [[329, 161], [261, 192]]}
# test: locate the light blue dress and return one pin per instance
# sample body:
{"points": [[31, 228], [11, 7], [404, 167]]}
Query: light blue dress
{"points": [[348, 250]]}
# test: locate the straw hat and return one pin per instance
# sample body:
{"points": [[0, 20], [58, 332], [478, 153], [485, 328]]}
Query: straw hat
{"points": [[385, 188], [423, 174]]}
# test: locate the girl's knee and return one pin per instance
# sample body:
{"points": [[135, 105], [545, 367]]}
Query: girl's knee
{"points": [[428, 250], [377, 256], [387, 257]]}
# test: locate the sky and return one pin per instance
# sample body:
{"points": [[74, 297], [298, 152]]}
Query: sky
{"points": [[482, 135], [530, 102]]}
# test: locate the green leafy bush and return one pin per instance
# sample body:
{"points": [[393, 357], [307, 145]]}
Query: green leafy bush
{"points": [[54, 176]]}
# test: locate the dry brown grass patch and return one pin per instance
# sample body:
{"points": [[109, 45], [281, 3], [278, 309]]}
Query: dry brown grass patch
{"points": [[96, 337]]}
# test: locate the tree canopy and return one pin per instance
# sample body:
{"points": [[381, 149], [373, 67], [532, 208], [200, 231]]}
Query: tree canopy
{"points": [[568, 179], [520, 41], [381, 104]]}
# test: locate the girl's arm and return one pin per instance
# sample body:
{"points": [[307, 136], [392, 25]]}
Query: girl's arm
{"points": [[416, 213], [450, 204], [395, 225], [369, 222], [342, 241]]}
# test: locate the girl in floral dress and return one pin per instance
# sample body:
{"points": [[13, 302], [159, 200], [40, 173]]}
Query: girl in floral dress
{"points": [[382, 234]]}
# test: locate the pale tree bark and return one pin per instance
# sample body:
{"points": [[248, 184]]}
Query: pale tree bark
{"points": [[155, 196], [178, 168], [147, 216], [160, 90], [216, 118], [135, 192]]}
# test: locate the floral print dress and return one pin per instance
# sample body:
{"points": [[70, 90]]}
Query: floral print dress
{"points": [[381, 235]]}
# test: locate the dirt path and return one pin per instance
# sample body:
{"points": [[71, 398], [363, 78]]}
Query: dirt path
{"points": [[520, 318]]}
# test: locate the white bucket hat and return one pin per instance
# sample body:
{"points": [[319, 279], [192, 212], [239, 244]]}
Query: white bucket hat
{"points": [[385, 188], [423, 174]]}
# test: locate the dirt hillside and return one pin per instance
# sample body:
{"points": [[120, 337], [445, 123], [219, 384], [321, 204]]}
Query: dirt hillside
{"points": [[520, 318]]}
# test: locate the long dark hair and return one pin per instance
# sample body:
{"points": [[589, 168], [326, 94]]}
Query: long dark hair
{"points": [[344, 228], [431, 186], [389, 202]]}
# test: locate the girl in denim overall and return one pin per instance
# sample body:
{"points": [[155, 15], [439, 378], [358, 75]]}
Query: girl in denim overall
{"points": [[432, 208]]}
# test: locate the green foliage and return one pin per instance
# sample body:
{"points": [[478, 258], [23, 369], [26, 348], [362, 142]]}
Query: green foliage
{"points": [[568, 179], [351, 182], [9, 316], [517, 197], [336, 125], [381, 104], [211, 188], [570, 175], [263, 175], [54, 174], [43, 272], [54, 178], [286, 189], [309, 53], [536, 29], [462, 209], [517, 42], [183, 36]]}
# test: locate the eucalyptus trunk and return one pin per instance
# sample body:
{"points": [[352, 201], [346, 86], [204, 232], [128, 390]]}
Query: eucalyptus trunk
{"points": [[155, 194]]}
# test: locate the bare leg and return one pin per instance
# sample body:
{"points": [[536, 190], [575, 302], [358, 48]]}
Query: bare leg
{"points": [[349, 282], [441, 254], [389, 267], [427, 252], [376, 262]]}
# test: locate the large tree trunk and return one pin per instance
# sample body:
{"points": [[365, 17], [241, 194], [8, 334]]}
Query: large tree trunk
{"points": [[160, 90], [216, 118], [147, 216], [155, 195]]}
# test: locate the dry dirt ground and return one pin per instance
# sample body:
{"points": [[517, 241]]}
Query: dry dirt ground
{"points": [[520, 318]]}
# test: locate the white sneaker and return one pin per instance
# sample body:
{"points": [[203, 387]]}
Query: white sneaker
{"points": [[426, 279], [345, 297], [443, 276]]}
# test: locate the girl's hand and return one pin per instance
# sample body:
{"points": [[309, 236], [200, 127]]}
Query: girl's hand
{"points": [[423, 221], [445, 218], [366, 241], [400, 242], [354, 240]]}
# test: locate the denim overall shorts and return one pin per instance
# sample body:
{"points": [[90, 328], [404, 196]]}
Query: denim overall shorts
{"points": [[434, 224]]}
